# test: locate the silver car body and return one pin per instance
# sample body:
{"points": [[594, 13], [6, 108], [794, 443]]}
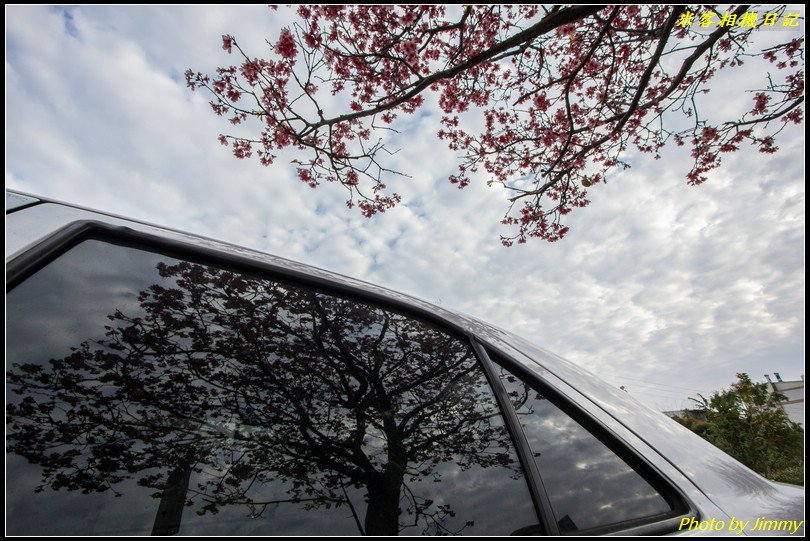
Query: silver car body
{"points": [[718, 487]]}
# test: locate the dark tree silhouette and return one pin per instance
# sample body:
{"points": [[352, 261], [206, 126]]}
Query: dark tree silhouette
{"points": [[222, 384]]}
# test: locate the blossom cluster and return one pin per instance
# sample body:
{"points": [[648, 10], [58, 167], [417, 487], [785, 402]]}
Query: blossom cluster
{"points": [[564, 93]]}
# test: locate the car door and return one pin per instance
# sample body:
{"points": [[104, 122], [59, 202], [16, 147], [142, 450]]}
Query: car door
{"points": [[162, 386]]}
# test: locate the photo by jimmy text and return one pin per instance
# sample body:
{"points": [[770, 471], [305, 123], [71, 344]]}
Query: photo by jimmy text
{"points": [[738, 526]]}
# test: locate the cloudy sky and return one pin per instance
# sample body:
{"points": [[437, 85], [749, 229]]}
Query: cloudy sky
{"points": [[667, 289]]}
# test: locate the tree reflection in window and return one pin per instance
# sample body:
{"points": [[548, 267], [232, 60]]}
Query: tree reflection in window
{"points": [[588, 485], [278, 408]]}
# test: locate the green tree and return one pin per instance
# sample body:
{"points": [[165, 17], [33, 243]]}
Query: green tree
{"points": [[747, 422]]}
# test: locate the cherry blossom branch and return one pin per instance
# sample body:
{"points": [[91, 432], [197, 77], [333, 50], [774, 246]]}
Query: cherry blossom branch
{"points": [[564, 92]]}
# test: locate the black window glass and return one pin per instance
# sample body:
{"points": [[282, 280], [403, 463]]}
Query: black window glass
{"points": [[588, 485], [149, 394]]}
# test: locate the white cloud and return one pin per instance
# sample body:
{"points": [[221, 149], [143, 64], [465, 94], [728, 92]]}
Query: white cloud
{"points": [[657, 281]]}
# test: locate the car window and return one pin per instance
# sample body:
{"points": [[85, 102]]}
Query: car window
{"points": [[148, 393], [590, 487]]}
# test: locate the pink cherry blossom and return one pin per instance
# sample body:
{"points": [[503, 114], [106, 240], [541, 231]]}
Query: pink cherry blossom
{"points": [[563, 94]]}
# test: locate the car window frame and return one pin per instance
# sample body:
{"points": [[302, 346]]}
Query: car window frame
{"points": [[47, 249], [682, 506], [16, 202]]}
